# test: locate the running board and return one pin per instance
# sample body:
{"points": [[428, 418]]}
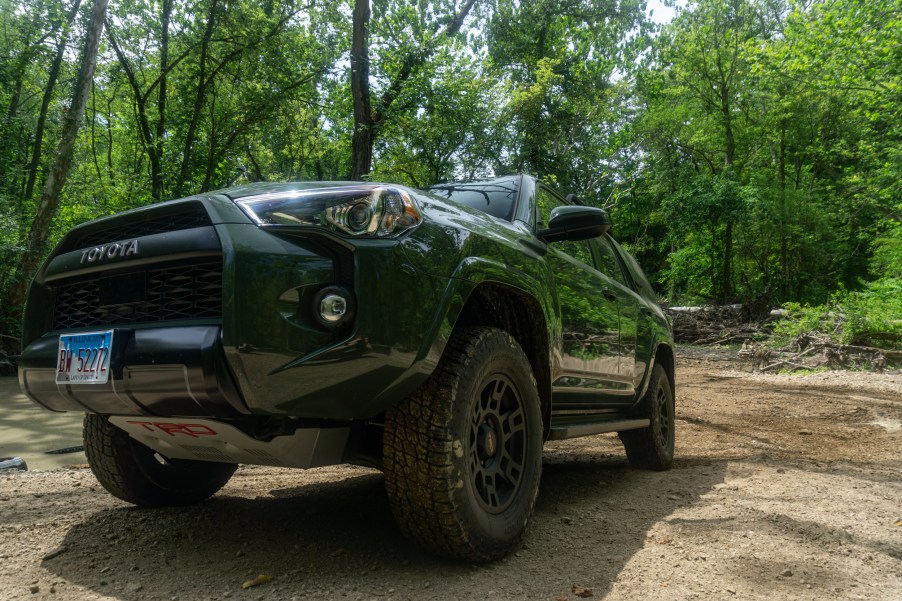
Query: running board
{"points": [[577, 430]]}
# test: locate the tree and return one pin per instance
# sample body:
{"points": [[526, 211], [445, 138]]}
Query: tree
{"points": [[59, 170], [152, 135], [562, 59], [427, 36]]}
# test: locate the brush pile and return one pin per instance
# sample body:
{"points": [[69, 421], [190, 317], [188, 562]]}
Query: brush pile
{"points": [[811, 351], [714, 325], [735, 324]]}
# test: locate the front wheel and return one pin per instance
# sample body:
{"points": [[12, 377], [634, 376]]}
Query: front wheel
{"points": [[137, 474], [463, 454], [652, 447]]}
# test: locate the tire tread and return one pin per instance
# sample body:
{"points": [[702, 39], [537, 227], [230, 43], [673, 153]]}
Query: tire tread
{"points": [[641, 447], [417, 443], [118, 462]]}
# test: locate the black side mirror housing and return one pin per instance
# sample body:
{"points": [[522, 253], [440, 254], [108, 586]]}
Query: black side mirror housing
{"points": [[575, 223]]}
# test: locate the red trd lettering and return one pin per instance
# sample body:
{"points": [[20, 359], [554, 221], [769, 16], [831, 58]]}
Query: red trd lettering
{"points": [[192, 430]]}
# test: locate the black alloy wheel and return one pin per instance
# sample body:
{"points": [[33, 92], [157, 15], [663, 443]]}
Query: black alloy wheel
{"points": [[497, 444]]}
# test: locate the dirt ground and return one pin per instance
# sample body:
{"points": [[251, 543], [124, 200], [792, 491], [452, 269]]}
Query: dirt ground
{"points": [[783, 488]]}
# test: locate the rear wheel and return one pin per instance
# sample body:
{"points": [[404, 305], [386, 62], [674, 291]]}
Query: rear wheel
{"points": [[137, 474], [652, 447], [463, 454]]}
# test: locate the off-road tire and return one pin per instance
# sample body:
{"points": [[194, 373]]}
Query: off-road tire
{"points": [[137, 474], [463, 454], [651, 448]]}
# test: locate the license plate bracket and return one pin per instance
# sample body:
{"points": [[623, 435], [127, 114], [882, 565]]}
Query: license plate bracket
{"points": [[84, 358]]}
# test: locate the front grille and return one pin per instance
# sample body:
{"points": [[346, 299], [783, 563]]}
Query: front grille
{"points": [[185, 217], [170, 293]]}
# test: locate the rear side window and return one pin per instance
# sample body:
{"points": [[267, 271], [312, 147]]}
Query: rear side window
{"points": [[637, 274], [607, 260]]}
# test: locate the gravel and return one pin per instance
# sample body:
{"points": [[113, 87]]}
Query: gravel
{"points": [[753, 509]]}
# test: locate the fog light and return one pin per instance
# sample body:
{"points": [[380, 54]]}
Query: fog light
{"points": [[333, 306]]}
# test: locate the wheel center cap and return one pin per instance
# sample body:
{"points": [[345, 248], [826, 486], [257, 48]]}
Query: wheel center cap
{"points": [[488, 441]]}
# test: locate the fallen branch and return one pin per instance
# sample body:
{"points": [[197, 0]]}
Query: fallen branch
{"points": [[781, 363], [812, 351], [713, 325]]}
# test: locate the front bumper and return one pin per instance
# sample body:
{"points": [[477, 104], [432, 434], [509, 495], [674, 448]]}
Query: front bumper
{"points": [[155, 371]]}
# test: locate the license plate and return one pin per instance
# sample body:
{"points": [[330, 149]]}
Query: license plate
{"points": [[84, 358]]}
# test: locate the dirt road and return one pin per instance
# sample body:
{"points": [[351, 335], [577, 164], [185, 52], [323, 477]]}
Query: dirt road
{"points": [[784, 488]]}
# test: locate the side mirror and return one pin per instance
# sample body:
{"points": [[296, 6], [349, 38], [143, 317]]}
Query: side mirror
{"points": [[574, 223]]}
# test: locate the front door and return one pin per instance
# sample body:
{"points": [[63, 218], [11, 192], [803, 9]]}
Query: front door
{"points": [[588, 375]]}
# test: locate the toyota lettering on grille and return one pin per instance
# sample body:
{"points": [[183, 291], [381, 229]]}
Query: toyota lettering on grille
{"points": [[99, 254]]}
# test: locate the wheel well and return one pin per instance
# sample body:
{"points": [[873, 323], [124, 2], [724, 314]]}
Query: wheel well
{"points": [[664, 358], [521, 316]]}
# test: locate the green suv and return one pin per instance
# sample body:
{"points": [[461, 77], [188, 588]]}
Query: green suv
{"points": [[442, 336]]}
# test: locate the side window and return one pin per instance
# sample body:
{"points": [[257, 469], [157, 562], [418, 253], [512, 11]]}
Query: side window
{"points": [[607, 260], [636, 273], [545, 201]]}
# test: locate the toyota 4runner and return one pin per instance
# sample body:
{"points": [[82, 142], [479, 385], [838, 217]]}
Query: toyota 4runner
{"points": [[439, 335]]}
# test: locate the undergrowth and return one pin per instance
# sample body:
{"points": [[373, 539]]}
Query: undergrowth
{"points": [[870, 317]]}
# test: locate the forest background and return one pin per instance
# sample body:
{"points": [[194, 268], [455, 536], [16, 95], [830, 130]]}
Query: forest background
{"points": [[748, 151]]}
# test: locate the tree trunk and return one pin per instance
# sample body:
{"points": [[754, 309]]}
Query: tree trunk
{"points": [[52, 76], [730, 151], [213, 140], [784, 244], [727, 286], [59, 169], [150, 145], [165, 17], [366, 121], [362, 140], [199, 97]]}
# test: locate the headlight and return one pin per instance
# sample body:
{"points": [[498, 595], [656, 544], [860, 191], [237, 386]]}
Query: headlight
{"points": [[361, 211]]}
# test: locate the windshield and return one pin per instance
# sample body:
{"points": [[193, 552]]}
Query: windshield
{"points": [[497, 197]]}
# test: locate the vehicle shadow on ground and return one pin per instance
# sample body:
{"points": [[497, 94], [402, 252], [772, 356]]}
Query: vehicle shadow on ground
{"points": [[338, 539]]}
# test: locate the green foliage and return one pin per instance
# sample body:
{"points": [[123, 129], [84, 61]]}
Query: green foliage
{"points": [[748, 150], [887, 259], [874, 315], [566, 113], [870, 317], [805, 320], [791, 105]]}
